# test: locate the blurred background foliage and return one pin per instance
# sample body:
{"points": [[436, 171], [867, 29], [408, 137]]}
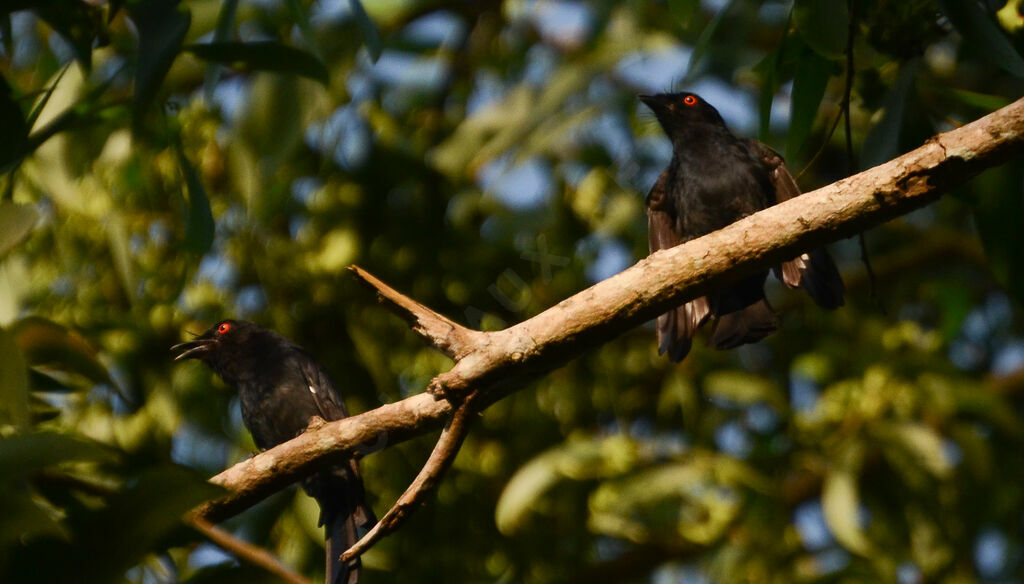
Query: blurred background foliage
{"points": [[170, 163]]}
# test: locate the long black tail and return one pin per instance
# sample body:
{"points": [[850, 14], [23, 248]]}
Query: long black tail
{"points": [[743, 314], [343, 511]]}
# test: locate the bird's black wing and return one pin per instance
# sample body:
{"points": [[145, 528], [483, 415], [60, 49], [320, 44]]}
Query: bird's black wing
{"points": [[338, 490], [677, 326], [813, 271]]}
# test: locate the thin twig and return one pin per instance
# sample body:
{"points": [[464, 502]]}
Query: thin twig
{"points": [[244, 550], [444, 453], [851, 159]]}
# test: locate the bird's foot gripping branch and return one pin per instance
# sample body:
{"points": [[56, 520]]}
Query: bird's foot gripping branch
{"points": [[490, 365]]}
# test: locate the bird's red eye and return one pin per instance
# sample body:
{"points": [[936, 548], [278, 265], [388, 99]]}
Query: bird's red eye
{"points": [[690, 100], [223, 327]]}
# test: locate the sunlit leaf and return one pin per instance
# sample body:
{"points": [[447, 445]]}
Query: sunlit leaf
{"points": [[840, 501], [924, 445], [13, 382], [682, 501], [744, 388], [120, 248], [16, 222], [577, 460], [161, 26], [823, 25], [262, 56], [980, 30], [48, 344]]}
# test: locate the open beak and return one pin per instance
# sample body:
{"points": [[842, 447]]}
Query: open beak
{"points": [[194, 349]]}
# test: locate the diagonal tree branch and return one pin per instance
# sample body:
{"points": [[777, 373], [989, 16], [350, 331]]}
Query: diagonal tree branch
{"points": [[497, 363]]}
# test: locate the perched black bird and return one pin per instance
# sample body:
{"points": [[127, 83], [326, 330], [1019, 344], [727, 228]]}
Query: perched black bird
{"points": [[281, 387], [714, 179]]}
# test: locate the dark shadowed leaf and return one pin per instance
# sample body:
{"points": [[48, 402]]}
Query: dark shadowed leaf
{"points": [[812, 75], [12, 147], [13, 383], [823, 25], [263, 56], [199, 226], [999, 216], [883, 141], [980, 30], [366, 26], [705, 39], [232, 574], [52, 346], [78, 22], [161, 26], [16, 222], [144, 513], [24, 455], [225, 23], [24, 519]]}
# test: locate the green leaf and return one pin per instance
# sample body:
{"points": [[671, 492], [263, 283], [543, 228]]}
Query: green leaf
{"points": [[701, 46], [823, 25], [840, 500], [117, 238], [13, 383], [577, 459], [24, 519], [744, 388], [16, 222], [263, 56], [199, 226], [52, 346], [999, 218], [812, 74], [883, 141], [370, 34], [225, 22], [144, 514], [78, 22], [161, 27], [981, 31], [924, 446], [26, 454]]}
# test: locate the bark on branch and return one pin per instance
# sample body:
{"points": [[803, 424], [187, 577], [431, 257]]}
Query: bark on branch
{"points": [[497, 363]]}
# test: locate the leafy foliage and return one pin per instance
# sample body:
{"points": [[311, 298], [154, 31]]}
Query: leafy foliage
{"points": [[168, 163]]}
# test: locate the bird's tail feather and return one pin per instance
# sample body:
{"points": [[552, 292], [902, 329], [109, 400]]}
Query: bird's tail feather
{"points": [[816, 273], [749, 325], [343, 512], [677, 326]]}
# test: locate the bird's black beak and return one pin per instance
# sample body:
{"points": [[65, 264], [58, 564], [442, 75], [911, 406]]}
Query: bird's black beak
{"points": [[194, 349], [655, 102]]}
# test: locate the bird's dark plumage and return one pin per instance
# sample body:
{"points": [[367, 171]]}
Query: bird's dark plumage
{"points": [[714, 179], [281, 388]]}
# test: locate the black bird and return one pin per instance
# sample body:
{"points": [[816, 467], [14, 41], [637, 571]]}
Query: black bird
{"points": [[281, 388], [714, 179]]}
